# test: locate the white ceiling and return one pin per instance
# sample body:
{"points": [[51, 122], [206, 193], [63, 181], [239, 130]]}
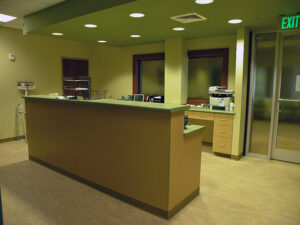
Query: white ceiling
{"points": [[21, 8]]}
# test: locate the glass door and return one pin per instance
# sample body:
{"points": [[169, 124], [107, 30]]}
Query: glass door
{"points": [[286, 143], [261, 84]]}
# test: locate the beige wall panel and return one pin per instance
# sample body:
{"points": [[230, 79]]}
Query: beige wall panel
{"points": [[118, 148], [185, 158], [50, 133]]}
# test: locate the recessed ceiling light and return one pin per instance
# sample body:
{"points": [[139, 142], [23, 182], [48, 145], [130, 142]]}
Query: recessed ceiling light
{"points": [[178, 28], [135, 35], [90, 25], [6, 18], [102, 41], [57, 34], [204, 2], [235, 21], [137, 15]]}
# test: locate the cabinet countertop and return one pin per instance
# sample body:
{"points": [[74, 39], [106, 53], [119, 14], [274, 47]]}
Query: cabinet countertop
{"points": [[198, 109], [191, 129], [120, 103]]}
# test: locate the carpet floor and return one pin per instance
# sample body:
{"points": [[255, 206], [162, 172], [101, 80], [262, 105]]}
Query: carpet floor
{"points": [[251, 191]]}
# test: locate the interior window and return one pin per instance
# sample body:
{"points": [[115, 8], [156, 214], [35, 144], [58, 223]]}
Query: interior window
{"points": [[206, 68], [149, 74], [153, 77]]}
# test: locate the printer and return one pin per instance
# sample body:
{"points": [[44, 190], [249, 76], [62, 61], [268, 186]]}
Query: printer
{"points": [[220, 98]]}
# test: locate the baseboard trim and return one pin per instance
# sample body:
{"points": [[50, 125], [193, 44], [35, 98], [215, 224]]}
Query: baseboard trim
{"points": [[183, 203], [237, 157], [144, 206], [11, 139]]}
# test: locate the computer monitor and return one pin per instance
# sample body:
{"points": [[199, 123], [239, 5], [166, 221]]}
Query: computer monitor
{"points": [[139, 97], [130, 97]]}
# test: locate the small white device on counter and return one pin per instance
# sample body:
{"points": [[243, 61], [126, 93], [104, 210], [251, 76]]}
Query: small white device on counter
{"points": [[231, 107], [26, 86], [220, 98]]}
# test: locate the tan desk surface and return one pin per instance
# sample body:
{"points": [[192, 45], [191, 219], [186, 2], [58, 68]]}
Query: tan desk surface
{"points": [[198, 109]]}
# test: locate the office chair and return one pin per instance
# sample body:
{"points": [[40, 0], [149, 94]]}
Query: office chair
{"points": [[139, 97]]}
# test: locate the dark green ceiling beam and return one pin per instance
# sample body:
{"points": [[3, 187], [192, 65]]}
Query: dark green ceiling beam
{"points": [[67, 10]]}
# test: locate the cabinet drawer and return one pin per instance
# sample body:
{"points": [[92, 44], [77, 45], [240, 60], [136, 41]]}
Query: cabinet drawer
{"points": [[203, 116], [189, 113], [222, 145], [223, 131], [223, 120]]}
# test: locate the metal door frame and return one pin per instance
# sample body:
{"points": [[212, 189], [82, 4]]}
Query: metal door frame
{"points": [[276, 100], [276, 92], [252, 93]]}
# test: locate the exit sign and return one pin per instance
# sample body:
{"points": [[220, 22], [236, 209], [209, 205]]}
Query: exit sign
{"points": [[290, 22]]}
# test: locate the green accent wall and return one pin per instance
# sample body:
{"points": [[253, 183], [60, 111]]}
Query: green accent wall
{"points": [[67, 10], [115, 25]]}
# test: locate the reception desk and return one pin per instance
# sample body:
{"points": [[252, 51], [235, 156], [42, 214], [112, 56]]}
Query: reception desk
{"points": [[136, 151]]}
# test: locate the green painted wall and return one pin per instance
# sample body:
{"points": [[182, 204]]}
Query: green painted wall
{"points": [[176, 74], [112, 67], [218, 42], [38, 59], [242, 55]]}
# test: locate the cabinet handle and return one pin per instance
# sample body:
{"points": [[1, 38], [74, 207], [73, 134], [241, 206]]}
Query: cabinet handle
{"points": [[222, 131], [222, 146], [223, 119]]}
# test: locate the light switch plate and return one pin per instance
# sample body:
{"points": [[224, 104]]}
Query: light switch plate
{"points": [[11, 57]]}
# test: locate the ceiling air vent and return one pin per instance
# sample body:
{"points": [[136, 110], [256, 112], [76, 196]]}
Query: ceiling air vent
{"points": [[188, 18]]}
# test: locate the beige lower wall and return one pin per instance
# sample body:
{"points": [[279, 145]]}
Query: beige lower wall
{"points": [[107, 145], [38, 59]]}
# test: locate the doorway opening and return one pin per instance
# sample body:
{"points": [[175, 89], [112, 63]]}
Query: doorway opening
{"points": [[274, 101], [76, 79]]}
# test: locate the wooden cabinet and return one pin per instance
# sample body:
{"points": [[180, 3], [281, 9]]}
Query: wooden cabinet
{"points": [[200, 115], [222, 139], [222, 145], [222, 129], [204, 119]]}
